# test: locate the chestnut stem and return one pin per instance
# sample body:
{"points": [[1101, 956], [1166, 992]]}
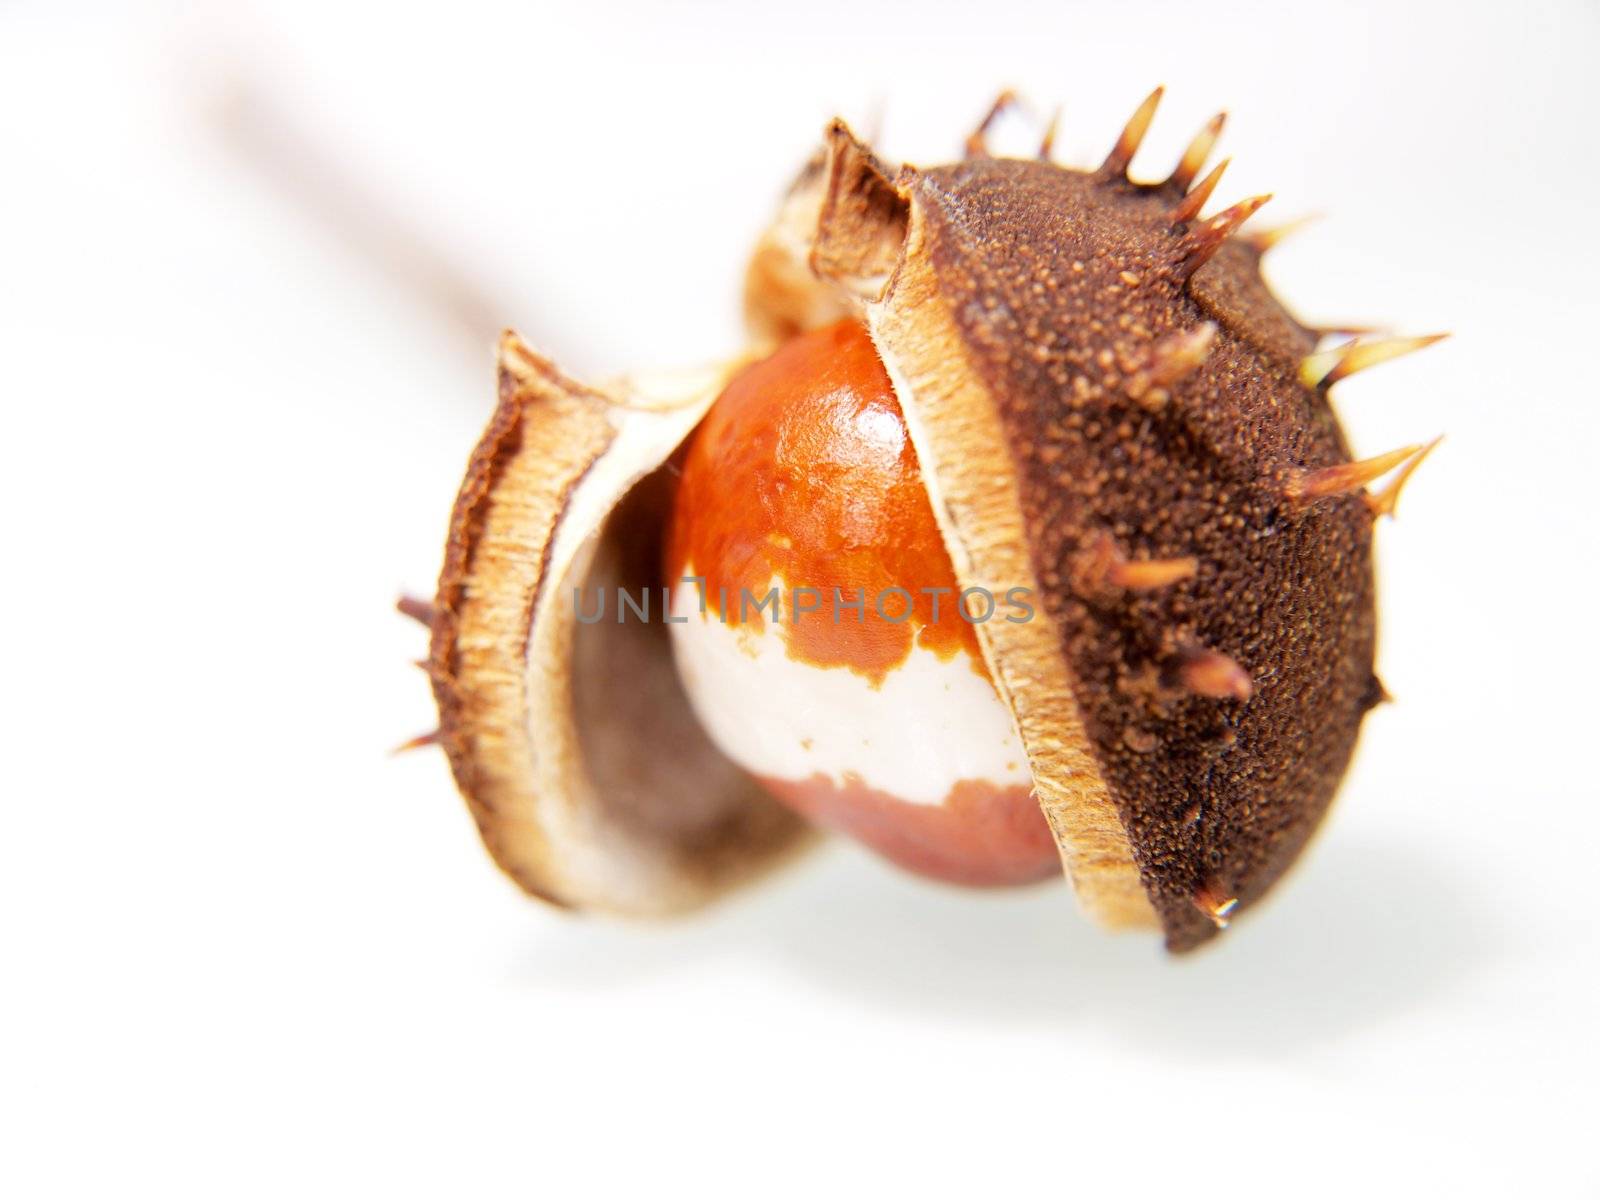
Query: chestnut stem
{"points": [[290, 157]]}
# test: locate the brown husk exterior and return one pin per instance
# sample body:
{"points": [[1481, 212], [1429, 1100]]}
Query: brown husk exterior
{"points": [[1045, 289]]}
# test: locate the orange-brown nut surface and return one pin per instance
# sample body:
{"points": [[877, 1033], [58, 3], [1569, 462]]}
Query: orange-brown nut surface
{"points": [[859, 695]]}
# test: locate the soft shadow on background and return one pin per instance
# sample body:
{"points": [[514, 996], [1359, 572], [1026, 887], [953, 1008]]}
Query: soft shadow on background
{"points": [[1370, 932]]}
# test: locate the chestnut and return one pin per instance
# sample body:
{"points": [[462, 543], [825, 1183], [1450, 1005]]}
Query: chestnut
{"points": [[1063, 402], [824, 642]]}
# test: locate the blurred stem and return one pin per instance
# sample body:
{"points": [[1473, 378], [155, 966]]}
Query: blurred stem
{"points": [[316, 180]]}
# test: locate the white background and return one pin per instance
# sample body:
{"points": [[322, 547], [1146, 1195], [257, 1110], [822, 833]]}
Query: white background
{"points": [[245, 952]]}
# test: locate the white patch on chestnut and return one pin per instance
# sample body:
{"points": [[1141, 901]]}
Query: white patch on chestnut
{"points": [[932, 722]]}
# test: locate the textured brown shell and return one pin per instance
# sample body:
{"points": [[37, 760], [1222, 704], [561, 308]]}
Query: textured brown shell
{"points": [[1017, 305]]}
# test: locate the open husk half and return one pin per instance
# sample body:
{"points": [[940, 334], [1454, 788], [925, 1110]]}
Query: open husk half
{"points": [[590, 781], [1107, 407]]}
